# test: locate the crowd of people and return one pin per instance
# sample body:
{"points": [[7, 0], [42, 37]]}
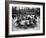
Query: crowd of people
{"points": [[24, 21]]}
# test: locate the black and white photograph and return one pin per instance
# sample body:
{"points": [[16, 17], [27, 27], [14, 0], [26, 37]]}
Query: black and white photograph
{"points": [[25, 19]]}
